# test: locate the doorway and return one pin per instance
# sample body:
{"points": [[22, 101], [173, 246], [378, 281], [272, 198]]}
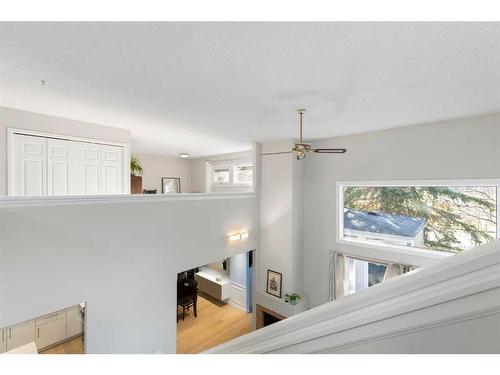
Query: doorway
{"points": [[212, 303]]}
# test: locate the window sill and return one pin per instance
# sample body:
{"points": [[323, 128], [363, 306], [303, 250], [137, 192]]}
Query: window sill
{"points": [[390, 253]]}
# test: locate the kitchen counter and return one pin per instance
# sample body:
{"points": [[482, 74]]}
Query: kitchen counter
{"points": [[24, 349], [208, 283], [212, 278]]}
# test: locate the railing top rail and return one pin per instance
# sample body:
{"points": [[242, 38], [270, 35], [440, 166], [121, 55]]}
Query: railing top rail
{"points": [[418, 288], [7, 201]]}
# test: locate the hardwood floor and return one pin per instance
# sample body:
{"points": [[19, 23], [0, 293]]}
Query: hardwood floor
{"points": [[73, 346], [216, 323]]}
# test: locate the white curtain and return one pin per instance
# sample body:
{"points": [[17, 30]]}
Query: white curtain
{"points": [[339, 276], [343, 278], [393, 270]]}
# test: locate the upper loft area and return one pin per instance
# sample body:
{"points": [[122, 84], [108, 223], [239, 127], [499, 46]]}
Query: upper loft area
{"points": [[51, 156]]}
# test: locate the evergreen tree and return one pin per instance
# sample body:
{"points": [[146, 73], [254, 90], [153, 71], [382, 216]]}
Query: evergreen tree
{"points": [[451, 212]]}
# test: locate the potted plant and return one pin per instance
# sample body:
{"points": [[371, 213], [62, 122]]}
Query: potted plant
{"points": [[135, 175], [292, 298]]}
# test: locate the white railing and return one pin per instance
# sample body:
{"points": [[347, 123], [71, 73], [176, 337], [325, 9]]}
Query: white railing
{"points": [[450, 307], [11, 201]]}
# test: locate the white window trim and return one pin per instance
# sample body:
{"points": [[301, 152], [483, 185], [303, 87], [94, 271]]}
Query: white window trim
{"points": [[220, 166], [231, 165], [407, 254], [242, 164]]}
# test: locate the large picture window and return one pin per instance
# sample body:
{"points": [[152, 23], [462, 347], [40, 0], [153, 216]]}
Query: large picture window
{"points": [[451, 217]]}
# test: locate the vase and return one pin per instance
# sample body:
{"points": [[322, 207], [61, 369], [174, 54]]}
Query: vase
{"points": [[135, 185]]}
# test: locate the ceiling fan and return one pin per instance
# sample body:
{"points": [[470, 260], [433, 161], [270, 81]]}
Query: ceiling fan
{"points": [[301, 149]]}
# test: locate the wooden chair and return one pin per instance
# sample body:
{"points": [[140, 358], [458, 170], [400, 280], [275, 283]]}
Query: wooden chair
{"points": [[187, 296]]}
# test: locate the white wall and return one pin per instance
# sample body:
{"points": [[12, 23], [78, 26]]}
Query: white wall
{"points": [[238, 269], [281, 230], [121, 255], [13, 118], [455, 149], [199, 175], [156, 167]]}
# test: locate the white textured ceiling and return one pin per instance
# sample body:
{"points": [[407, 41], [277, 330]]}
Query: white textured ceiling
{"points": [[211, 88]]}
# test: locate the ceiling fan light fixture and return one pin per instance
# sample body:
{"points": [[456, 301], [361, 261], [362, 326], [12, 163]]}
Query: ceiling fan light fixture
{"points": [[301, 149], [299, 154], [184, 155]]}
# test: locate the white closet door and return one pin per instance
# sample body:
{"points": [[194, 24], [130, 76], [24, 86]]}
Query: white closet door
{"points": [[91, 171], [111, 169], [73, 167], [48, 166], [60, 167], [28, 165]]}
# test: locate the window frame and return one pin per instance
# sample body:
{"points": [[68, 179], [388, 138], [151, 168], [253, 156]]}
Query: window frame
{"points": [[378, 263], [231, 165], [404, 253], [242, 164]]}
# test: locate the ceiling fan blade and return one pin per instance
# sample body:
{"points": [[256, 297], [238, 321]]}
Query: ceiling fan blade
{"points": [[330, 150], [276, 153]]}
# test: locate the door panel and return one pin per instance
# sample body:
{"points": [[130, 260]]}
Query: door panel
{"points": [[64, 177], [91, 175], [20, 334], [50, 333], [33, 176], [58, 178], [28, 166], [110, 179], [91, 160], [81, 176], [111, 170], [3, 340], [73, 322]]}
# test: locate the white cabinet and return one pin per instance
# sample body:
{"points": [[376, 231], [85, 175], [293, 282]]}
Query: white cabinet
{"points": [[20, 334], [46, 330], [208, 284], [50, 329], [3, 340], [73, 321], [50, 332], [40, 166]]}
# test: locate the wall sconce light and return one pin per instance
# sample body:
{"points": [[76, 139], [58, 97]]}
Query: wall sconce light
{"points": [[237, 236]]}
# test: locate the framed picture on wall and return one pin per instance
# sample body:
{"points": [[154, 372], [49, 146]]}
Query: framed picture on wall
{"points": [[170, 185], [274, 280]]}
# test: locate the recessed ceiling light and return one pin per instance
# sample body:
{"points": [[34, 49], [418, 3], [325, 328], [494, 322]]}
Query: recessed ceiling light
{"points": [[184, 155]]}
